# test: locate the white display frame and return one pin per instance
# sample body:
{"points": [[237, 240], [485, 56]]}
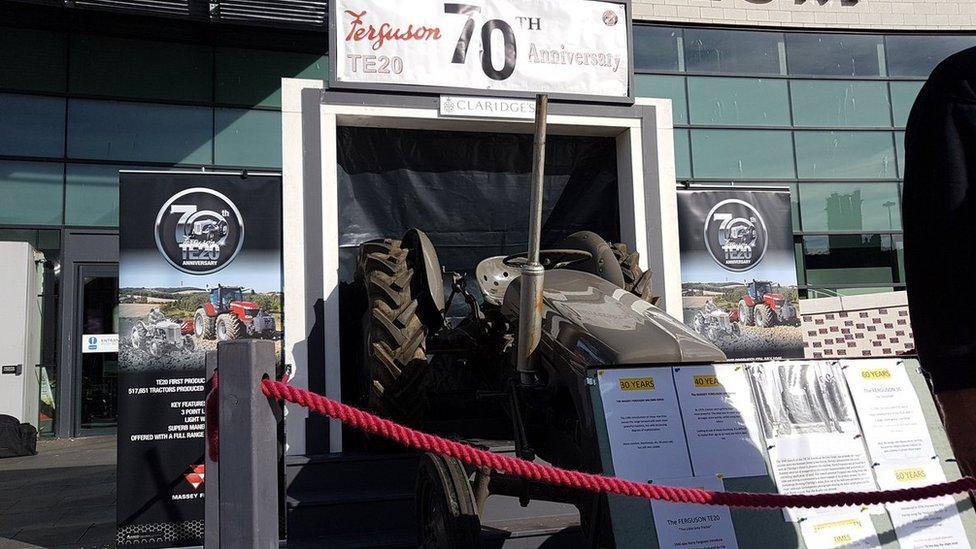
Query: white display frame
{"points": [[646, 175]]}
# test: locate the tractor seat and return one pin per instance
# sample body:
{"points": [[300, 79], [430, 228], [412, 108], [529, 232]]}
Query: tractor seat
{"points": [[493, 278]]}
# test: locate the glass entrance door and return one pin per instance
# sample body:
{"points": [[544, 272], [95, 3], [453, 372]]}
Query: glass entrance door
{"points": [[98, 292]]}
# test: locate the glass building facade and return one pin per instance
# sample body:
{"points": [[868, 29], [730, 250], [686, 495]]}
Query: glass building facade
{"points": [[821, 113]]}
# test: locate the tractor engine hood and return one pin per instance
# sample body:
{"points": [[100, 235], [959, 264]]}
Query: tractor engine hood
{"points": [[246, 304], [599, 323]]}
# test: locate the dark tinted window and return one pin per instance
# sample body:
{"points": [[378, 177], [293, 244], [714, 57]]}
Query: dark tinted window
{"points": [[918, 55], [656, 48], [734, 52], [853, 259], [835, 54]]}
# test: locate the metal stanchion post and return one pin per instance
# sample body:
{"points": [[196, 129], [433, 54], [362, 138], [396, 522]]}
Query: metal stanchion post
{"points": [[248, 446]]}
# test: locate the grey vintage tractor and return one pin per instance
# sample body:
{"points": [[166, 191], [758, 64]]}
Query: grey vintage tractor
{"points": [[715, 324], [158, 335], [514, 365]]}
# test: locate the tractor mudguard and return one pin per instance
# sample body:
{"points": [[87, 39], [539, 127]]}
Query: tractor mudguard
{"points": [[602, 263], [432, 309], [595, 323]]}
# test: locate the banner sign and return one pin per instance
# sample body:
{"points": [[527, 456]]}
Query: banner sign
{"points": [[575, 47], [199, 262], [738, 272]]}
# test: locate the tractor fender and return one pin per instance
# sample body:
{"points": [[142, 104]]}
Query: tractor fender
{"points": [[429, 267], [209, 309]]}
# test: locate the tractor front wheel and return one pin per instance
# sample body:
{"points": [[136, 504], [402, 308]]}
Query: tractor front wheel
{"points": [[229, 327], [765, 317], [394, 336], [746, 314], [447, 516], [138, 336], [204, 326]]}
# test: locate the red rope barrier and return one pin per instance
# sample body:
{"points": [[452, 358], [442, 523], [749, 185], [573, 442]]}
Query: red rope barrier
{"points": [[424, 442]]}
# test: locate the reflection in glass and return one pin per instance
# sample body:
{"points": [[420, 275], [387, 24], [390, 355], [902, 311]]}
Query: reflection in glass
{"points": [[682, 155], [248, 138], [902, 98], [738, 101], [668, 87], [31, 125], [900, 147], [917, 55], [852, 259], [92, 195], [30, 193], [857, 55], [742, 154], [845, 155], [140, 69], [734, 52], [827, 103], [111, 130], [850, 207], [656, 48]]}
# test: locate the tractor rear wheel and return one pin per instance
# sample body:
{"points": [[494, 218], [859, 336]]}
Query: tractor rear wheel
{"points": [[746, 314], [394, 337], [447, 516], [229, 327], [204, 326], [765, 317]]}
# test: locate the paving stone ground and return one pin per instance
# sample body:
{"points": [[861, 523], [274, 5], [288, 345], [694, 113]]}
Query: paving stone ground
{"points": [[62, 497]]}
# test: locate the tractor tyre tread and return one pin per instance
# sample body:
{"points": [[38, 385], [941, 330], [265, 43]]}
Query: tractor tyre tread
{"points": [[764, 316], [209, 324], [397, 361], [233, 326]]}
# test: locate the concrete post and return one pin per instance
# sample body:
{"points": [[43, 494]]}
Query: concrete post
{"points": [[248, 469]]}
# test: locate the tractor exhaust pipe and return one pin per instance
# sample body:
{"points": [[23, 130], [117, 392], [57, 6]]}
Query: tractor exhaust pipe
{"points": [[530, 299]]}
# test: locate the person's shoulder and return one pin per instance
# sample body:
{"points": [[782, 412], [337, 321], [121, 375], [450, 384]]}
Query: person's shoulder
{"points": [[955, 76]]}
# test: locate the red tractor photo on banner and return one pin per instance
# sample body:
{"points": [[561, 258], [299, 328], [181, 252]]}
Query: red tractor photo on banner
{"points": [[763, 307], [227, 316]]}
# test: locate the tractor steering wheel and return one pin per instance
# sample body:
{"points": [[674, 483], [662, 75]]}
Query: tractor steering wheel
{"points": [[549, 259]]}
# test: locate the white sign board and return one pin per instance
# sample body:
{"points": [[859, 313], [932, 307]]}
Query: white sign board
{"points": [[891, 416], [100, 343], [577, 47], [486, 107], [703, 526], [720, 421], [644, 424]]}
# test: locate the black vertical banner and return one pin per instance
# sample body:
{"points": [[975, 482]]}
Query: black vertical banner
{"points": [[199, 262], [738, 272]]}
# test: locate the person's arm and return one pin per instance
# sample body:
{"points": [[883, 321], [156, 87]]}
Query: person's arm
{"points": [[958, 409]]}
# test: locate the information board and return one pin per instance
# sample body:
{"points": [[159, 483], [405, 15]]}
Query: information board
{"points": [[809, 418]]}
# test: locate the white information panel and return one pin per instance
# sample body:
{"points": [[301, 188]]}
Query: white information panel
{"points": [[704, 526], [644, 424], [847, 531], [100, 343], [931, 523], [574, 47], [891, 416], [720, 421]]}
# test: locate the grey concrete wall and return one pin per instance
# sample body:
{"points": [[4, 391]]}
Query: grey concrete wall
{"points": [[936, 15]]}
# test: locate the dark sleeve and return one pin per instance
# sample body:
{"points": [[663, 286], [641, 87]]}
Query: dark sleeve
{"points": [[940, 223]]}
